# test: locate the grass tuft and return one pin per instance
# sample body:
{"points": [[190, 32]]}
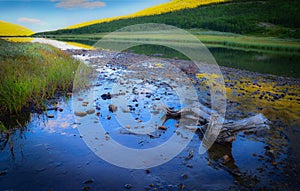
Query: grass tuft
{"points": [[31, 73]]}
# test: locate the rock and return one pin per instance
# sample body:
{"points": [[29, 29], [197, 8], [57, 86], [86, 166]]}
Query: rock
{"points": [[80, 113], [50, 115], [108, 117], [226, 159], [147, 171], [184, 175], [98, 113], [88, 181], [128, 186], [162, 127], [60, 109], [271, 153], [106, 96], [191, 155], [181, 186], [112, 108], [90, 111], [85, 103], [2, 173]]}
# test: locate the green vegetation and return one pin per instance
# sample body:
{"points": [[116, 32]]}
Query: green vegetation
{"points": [[31, 73], [261, 18], [209, 38]]}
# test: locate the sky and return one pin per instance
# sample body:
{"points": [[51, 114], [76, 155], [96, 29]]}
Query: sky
{"points": [[46, 15]]}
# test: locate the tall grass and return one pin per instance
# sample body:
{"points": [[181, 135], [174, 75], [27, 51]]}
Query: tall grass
{"points": [[31, 73]]}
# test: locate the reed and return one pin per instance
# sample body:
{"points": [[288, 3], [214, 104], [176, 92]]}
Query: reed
{"points": [[31, 73]]}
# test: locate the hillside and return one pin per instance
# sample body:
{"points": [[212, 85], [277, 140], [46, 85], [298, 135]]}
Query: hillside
{"points": [[262, 18], [173, 5], [10, 29]]}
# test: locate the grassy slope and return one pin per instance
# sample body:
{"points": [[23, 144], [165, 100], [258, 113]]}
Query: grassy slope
{"points": [[30, 73], [263, 18], [9, 29], [174, 5]]}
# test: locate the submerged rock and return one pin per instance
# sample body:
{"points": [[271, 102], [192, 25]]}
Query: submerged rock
{"points": [[112, 108], [106, 96], [50, 115], [128, 186], [80, 113], [90, 111]]}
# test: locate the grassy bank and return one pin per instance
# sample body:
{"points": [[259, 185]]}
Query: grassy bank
{"points": [[31, 73]]}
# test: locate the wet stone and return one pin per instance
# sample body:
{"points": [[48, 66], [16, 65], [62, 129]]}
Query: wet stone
{"points": [[50, 115], [112, 108], [80, 113], [106, 96], [128, 186], [90, 111], [88, 181]]}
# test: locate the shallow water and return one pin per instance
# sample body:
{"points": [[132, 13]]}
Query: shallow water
{"points": [[50, 153]]}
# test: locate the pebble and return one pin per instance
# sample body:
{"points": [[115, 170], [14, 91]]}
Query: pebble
{"points": [[50, 115], [2, 173], [90, 111], [162, 127], [88, 181], [184, 175], [80, 113], [112, 108], [226, 159], [85, 103], [128, 186]]}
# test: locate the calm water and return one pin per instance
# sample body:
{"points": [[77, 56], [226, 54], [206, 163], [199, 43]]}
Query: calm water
{"points": [[49, 153], [281, 64]]}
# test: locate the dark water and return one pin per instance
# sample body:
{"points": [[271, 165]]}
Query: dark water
{"points": [[277, 63], [49, 153]]}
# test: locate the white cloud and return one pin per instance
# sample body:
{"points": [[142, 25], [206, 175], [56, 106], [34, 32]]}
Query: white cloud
{"points": [[78, 3], [30, 20]]}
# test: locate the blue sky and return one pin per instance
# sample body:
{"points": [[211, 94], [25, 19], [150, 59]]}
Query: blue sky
{"points": [[47, 15]]}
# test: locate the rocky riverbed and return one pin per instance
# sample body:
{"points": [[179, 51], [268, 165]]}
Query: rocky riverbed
{"points": [[127, 92], [248, 93]]}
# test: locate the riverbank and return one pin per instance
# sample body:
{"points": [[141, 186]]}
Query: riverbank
{"points": [[32, 73]]}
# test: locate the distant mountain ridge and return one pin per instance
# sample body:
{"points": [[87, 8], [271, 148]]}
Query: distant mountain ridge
{"points": [[10, 29]]}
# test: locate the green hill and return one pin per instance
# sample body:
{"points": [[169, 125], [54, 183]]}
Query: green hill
{"points": [[262, 18]]}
